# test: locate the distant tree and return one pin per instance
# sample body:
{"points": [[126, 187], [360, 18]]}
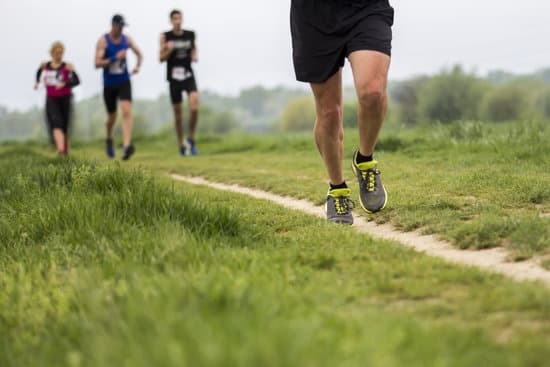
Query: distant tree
{"points": [[254, 100], [451, 96], [542, 103], [405, 97], [215, 122], [299, 115], [505, 103]]}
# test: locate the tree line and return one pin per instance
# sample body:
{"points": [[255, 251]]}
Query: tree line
{"points": [[448, 96]]}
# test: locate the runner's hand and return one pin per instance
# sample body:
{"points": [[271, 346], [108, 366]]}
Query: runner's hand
{"points": [[170, 46], [59, 86], [121, 55], [135, 71], [36, 86]]}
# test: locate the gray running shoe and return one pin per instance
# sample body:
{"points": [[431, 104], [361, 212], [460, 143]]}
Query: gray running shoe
{"points": [[339, 206], [372, 192]]}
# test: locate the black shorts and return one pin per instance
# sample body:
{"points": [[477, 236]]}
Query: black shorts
{"points": [[113, 93], [58, 113], [177, 88], [325, 32]]}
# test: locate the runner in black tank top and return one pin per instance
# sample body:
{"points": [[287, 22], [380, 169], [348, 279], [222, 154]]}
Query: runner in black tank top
{"points": [[178, 49]]}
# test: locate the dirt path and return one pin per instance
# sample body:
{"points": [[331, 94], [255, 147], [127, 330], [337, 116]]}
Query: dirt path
{"points": [[494, 260]]}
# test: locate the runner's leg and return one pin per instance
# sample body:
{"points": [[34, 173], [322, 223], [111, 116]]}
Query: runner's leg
{"points": [[329, 133]]}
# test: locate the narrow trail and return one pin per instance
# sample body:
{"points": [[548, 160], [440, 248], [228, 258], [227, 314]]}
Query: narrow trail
{"points": [[493, 260]]}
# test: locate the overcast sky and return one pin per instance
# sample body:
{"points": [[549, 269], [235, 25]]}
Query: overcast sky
{"points": [[247, 42]]}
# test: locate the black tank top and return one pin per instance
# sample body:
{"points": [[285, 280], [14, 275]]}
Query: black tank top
{"points": [[178, 65]]}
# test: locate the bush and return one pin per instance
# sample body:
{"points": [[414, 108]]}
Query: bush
{"points": [[506, 103], [451, 96], [406, 96], [299, 115], [542, 103]]}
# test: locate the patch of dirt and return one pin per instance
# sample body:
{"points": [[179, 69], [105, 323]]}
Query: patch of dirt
{"points": [[495, 260]]}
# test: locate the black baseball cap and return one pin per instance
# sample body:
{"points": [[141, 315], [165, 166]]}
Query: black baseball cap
{"points": [[119, 20]]}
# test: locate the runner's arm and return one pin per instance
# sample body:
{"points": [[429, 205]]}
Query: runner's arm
{"points": [[165, 50], [74, 80], [38, 75], [194, 51], [100, 61], [138, 53]]}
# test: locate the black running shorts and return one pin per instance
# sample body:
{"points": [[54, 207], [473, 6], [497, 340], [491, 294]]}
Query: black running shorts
{"points": [[325, 32], [58, 112], [113, 93], [178, 87]]}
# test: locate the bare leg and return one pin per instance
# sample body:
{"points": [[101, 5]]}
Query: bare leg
{"points": [[178, 122], [127, 122], [329, 133], [109, 124], [59, 138], [193, 113], [370, 72]]}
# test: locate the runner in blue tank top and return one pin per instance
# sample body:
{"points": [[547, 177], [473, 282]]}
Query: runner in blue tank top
{"points": [[111, 56]]}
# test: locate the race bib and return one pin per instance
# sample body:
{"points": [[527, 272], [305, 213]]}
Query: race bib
{"points": [[118, 67], [180, 73], [50, 78]]}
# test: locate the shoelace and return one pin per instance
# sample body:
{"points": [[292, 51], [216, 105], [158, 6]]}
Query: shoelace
{"points": [[369, 176], [343, 205]]}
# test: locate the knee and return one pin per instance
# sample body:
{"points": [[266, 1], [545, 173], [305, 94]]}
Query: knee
{"points": [[126, 113], [194, 103], [372, 95], [329, 120], [329, 114], [111, 118]]}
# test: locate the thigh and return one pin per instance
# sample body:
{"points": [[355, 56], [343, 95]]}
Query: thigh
{"points": [[370, 69], [328, 94], [373, 32], [193, 100], [317, 55], [125, 106], [110, 95], [66, 105], [176, 91], [55, 113], [125, 92]]}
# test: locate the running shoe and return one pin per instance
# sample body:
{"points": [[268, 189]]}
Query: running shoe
{"points": [[110, 148], [128, 152], [372, 193], [339, 206], [192, 146]]}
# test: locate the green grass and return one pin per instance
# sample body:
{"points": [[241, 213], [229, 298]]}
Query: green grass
{"points": [[102, 265], [475, 185]]}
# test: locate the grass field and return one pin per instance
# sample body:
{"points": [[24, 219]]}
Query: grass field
{"points": [[475, 185], [109, 265]]}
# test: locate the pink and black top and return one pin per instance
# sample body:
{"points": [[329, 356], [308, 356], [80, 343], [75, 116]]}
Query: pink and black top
{"points": [[54, 77]]}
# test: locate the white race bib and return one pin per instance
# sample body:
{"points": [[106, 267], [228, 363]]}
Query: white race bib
{"points": [[118, 67], [179, 73], [50, 78]]}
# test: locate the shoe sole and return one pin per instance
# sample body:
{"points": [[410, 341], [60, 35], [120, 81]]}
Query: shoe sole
{"points": [[361, 202]]}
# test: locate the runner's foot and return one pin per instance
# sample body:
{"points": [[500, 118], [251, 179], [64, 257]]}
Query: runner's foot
{"points": [[128, 152], [110, 148], [339, 206], [372, 193], [192, 146]]}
